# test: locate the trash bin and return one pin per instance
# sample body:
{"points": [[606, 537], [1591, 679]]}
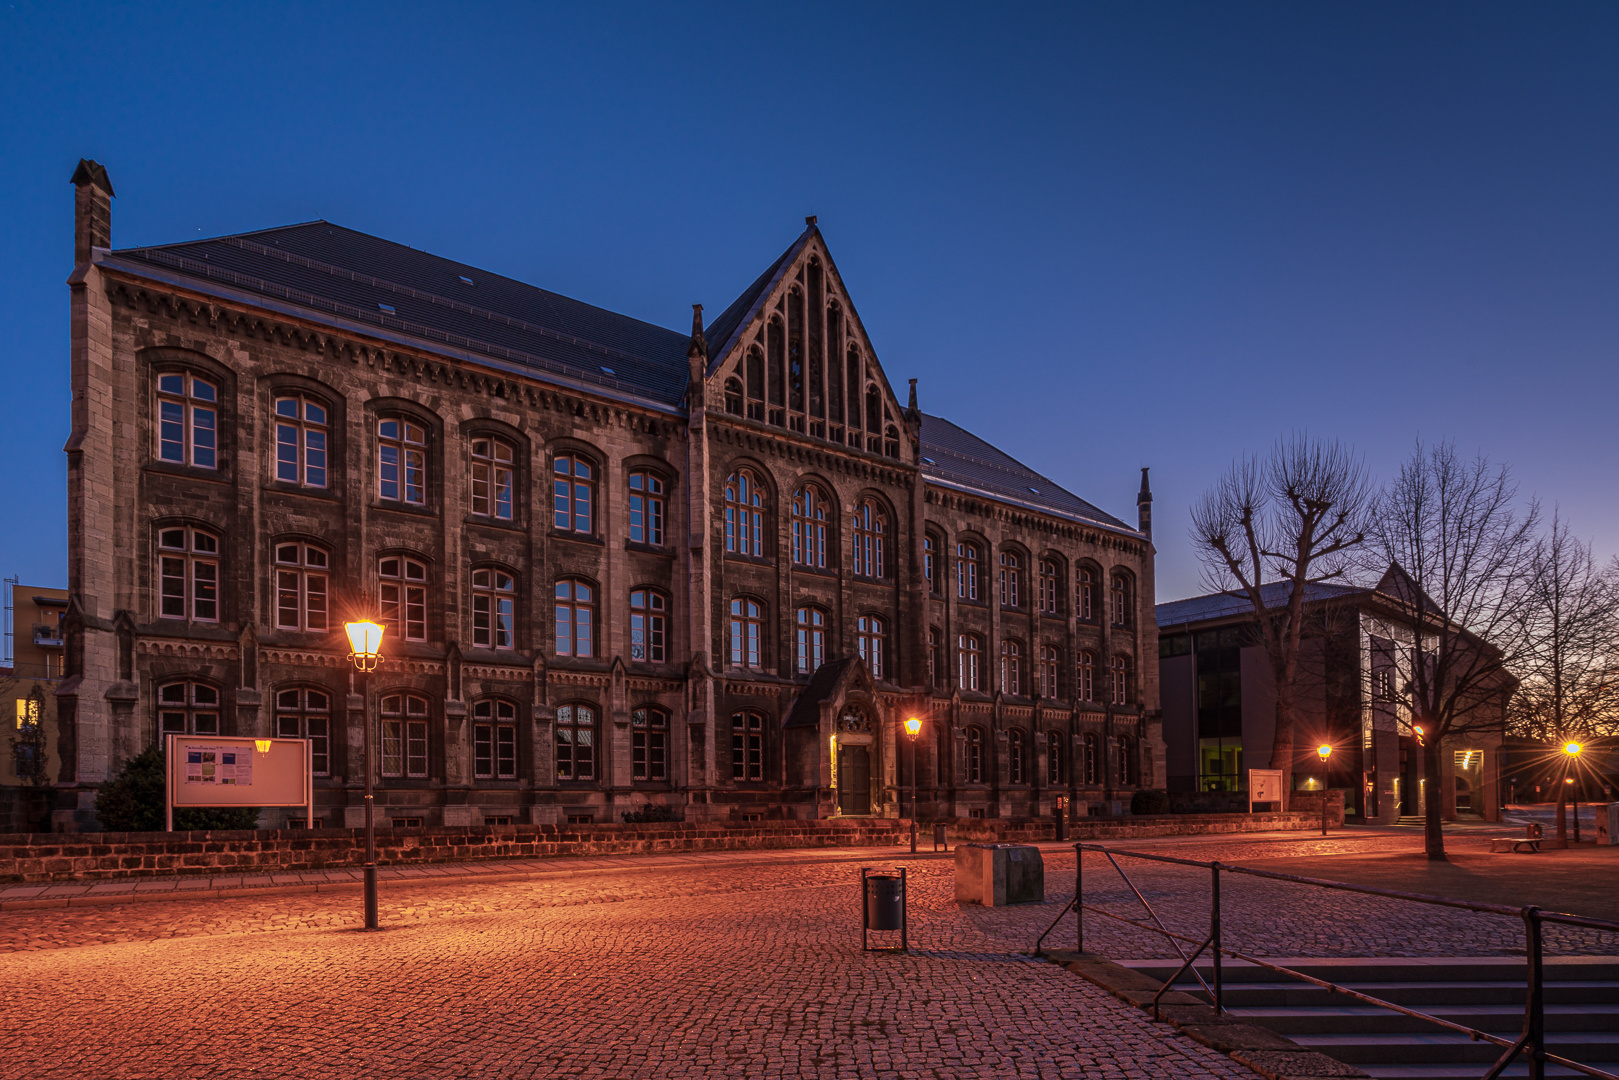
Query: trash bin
{"points": [[941, 839], [882, 898]]}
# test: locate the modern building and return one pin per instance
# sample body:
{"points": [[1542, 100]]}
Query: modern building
{"points": [[1219, 705], [621, 567], [29, 758], [34, 630]]}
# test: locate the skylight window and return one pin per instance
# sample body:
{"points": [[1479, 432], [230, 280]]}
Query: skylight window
{"points": [[389, 308], [464, 279], [608, 371], [929, 461], [1035, 490]]}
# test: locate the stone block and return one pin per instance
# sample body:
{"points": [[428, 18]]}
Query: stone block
{"points": [[995, 875]]}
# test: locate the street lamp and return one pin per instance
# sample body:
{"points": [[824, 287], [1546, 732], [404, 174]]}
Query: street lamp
{"points": [[365, 649], [1571, 758], [1324, 752], [913, 728]]}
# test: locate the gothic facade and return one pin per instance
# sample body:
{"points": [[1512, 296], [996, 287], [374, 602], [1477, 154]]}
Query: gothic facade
{"points": [[622, 568]]}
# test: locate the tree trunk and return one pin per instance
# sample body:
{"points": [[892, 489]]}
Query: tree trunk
{"points": [[1281, 747], [1433, 835]]}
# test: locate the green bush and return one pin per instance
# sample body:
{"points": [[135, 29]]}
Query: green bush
{"points": [[133, 802], [651, 812], [1149, 803]]}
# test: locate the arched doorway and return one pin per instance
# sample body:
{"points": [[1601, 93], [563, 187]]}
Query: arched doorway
{"points": [[854, 747]]}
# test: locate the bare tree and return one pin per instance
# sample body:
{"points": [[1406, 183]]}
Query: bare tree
{"points": [[1459, 553], [1268, 530], [1568, 683]]}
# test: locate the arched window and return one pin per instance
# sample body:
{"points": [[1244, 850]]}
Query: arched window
{"points": [[573, 493], [874, 411], [733, 396], [870, 529], [401, 461], [747, 632], [649, 743], [306, 713], [576, 742], [969, 653], [576, 618], [1055, 759], [1011, 580], [494, 609], [1129, 766], [744, 515], [1011, 666], [967, 571], [494, 739], [1123, 684], [1093, 758], [404, 735], [188, 574], [187, 707], [301, 427], [493, 478], [853, 384], [795, 356], [187, 420], [756, 384], [1121, 600], [935, 656], [646, 508], [871, 634], [1085, 594], [747, 745], [809, 527], [301, 587], [834, 370], [402, 597], [1085, 676], [975, 754], [891, 442], [1048, 671], [649, 626], [775, 341], [1015, 756], [811, 639], [1050, 597], [930, 561]]}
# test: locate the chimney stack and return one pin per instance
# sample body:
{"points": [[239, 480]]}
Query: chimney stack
{"points": [[1144, 506], [92, 210]]}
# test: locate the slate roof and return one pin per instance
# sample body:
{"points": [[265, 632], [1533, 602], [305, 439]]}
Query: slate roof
{"points": [[1223, 605], [351, 274], [956, 457]]}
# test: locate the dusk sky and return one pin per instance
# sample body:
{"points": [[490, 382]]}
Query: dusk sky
{"points": [[1101, 236]]}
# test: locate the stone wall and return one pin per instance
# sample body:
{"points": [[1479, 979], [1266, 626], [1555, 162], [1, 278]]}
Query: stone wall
{"points": [[986, 830]]}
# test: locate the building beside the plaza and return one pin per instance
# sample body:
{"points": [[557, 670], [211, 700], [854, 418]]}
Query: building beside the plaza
{"points": [[29, 762], [1219, 705], [622, 568]]}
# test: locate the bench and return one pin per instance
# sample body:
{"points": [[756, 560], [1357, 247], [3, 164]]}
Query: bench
{"points": [[1515, 844]]}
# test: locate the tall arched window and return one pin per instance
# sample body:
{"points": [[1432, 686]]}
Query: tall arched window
{"points": [[1050, 597], [1015, 756], [649, 743], [1048, 671], [967, 571], [1011, 579], [733, 396], [300, 587], [834, 369], [401, 461], [187, 420], [747, 632], [1055, 759], [811, 639], [1123, 684], [809, 527], [576, 618], [1085, 676], [404, 735], [975, 754], [1093, 758], [187, 707], [573, 493], [930, 561], [494, 739], [776, 342], [188, 574], [576, 742], [747, 745], [744, 515], [1121, 600], [402, 597], [870, 531], [756, 384], [493, 478], [891, 442], [1085, 594], [1129, 766], [1011, 666], [494, 609], [871, 634], [306, 713], [649, 622], [874, 412], [301, 427], [852, 385], [936, 662], [646, 508], [969, 655]]}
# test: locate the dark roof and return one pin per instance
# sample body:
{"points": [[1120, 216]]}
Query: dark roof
{"points": [[1224, 605], [806, 711], [955, 456], [351, 274], [723, 329]]}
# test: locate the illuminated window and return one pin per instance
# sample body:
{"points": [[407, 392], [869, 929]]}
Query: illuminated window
{"points": [[1011, 580], [188, 708], [966, 572], [809, 528], [493, 479], [494, 739], [576, 618], [306, 713], [748, 745], [649, 626], [188, 574], [404, 735], [494, 609], [402, 461], [646, 509], [576, 742], [870, 634], [300, 441], [969, 653], [744, 515], [747, 631], [301, 587], [649, 744], [573, 492], [187, 420], [402, 597], [811, 639]]}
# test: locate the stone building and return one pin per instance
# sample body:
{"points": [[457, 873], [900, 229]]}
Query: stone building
{"points": [[622, 567]]}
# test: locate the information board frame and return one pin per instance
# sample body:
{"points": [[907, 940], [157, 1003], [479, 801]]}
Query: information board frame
{"points": [[277, 772], [1265, 786]]}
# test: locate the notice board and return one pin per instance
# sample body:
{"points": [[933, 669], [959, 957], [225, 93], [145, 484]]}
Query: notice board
{"points": [[220, 770], [1264, 786]]}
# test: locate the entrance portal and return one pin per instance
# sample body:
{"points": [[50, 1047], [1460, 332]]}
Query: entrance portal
{"points": [[854, 779]]}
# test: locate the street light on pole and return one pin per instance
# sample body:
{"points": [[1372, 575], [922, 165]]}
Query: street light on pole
{"points": [[1324, 752], [1571, 758], [913, 728], [365, 649]]}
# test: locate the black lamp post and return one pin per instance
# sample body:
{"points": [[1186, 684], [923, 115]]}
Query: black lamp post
{"points": [[1324, 752], [1571, 751], [913, 727], [365, 649]]}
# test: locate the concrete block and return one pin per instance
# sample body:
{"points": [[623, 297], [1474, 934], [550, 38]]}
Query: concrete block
{"points": [[995, 875]]}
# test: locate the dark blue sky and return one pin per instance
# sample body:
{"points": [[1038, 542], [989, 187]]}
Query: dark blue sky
{"points": [[1102, 236]]}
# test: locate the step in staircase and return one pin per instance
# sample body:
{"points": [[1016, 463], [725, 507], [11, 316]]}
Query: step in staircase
{"points": [[1581, 995]]}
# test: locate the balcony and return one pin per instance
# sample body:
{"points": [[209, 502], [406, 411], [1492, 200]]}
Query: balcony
{"points": [[47, 635]]}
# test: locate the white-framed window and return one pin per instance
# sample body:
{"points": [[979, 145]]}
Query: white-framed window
{"points": [[576, 618], [936, 663], [744, 515], [187, 707], [649, 743], [303, 712], [1056, 773], [401, 461], [870, 529], [301, 587], [573, 494], [809, 527], [811, 639], [649, 626], [1120, 607], [1123, 684], [302, 428], [969, 655], [1085, 676], [747, 632], [930, 562], [1092, 758], [646, 508], [188, 574], [967, 571], [494, 478], [494, 609], [1011, 666], [975, 754], [187, 420], [404, 735], [871, 634], [1050, 595], [494, 739], [402, 597], [1011, 580], [1085, 594], [1047, 682], [576, 742], [747, 745]]}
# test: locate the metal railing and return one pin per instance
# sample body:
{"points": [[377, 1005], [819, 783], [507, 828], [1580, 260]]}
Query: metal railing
{"points": [[1532, 1040]]}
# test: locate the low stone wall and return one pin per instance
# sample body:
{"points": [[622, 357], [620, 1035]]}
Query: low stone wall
{"points": [[41, 857], [990, 830]]}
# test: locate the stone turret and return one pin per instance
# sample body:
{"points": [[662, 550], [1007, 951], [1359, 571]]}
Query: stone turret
{"points": [[1144, 506], [92, 209]]}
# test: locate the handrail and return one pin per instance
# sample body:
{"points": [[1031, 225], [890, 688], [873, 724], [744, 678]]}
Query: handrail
{"points": [[1532, 1039]]}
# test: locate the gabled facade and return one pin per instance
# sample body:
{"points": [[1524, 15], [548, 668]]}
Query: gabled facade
{"points": [[620, 566]]}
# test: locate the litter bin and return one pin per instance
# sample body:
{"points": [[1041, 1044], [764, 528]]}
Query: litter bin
{"points": [[941, 839], [882, 898]]}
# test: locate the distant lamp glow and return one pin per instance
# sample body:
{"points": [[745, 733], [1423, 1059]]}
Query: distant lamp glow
{"points": [[1568, 779], [262, 745], [1573, 749], [1418, 730], [365, 643], [913, 727]]}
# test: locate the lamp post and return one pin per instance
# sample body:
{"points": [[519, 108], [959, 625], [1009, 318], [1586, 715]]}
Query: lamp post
{"points": [[1571, 758], [365, 649], [1324, 752], [913, 728]]}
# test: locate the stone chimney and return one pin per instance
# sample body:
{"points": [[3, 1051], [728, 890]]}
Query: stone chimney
{"points": [[1144, 507], [92, 210]]}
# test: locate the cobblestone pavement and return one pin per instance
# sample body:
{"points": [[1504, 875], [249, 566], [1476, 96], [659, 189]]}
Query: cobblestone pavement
{"points": [[691, 972]]}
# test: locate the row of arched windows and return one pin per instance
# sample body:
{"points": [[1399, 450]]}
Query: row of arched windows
{"points": [[747, 527], [1013, 585], [1019, 748], [1016, 677]]}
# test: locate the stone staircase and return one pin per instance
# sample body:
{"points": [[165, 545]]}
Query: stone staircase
{"points": [[1581, 993]]}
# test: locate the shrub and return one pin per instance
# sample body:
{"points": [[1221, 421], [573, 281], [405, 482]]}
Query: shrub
{"points": [[1149, 802], [133, 802], [648, 814]]}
